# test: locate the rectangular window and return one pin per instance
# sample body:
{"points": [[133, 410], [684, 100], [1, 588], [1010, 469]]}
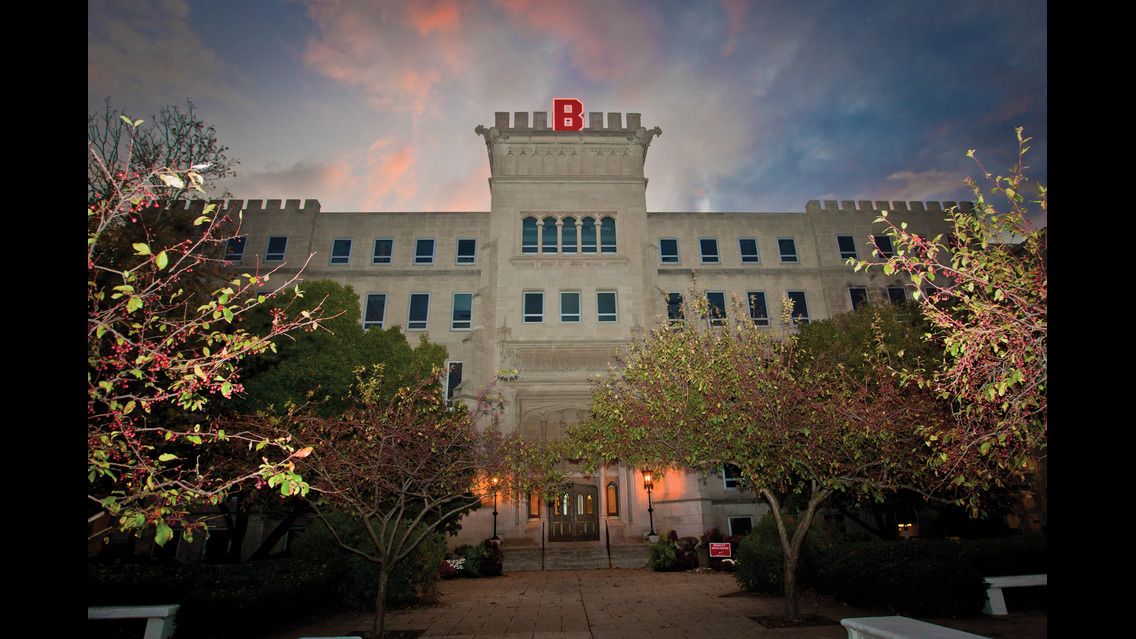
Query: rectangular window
{"points": [[534, 506], [788, 249], [758, 311], [376, 310], [668, 251], [424, 251], [716, 307], [709, 249], [277, 247], [462, 316], [606, 306], [235, 248], [740, 526], [534, 307], [748, 248], [847, 246], [897, 294], [800, 307], [419, 312], [569, 306], [467, 251], [384, 248], [674, 308], [883, 246], [340, 251], [731, 476], [453, 378], [858, 295]]}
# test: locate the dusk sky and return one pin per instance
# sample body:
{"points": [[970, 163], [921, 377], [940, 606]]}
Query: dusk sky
{"points": [[371, 106]]}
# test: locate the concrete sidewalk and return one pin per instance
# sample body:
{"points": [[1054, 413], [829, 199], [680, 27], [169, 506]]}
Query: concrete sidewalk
{"points": [[625, 603]]}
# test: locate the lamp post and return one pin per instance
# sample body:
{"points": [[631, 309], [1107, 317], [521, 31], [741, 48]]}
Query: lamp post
{"points": [[649, 483], [494, 481]]}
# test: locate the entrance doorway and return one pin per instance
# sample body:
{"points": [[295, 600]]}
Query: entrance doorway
{"points": [[575, 515]]}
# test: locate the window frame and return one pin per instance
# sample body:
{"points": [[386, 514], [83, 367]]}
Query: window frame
{"points": [[525, 315], [702, 250], [757, 321], [610, 317], [381, 323], [802, 318], [410, 321], [731, 480], [377, 259], [232, 255], [902, 290], [879, 251], [786, 258], [450, 387], [664, 257], [605, 247], [579, 309], [755, 258], [715, 321], [419, 258], [678, 318], [852, 298], [534, 248], [338, 260], [844, 253], [454, 322], [269, 255], [465, 259]]}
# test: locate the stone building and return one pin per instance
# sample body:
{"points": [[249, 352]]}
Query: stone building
{"points": [[566, 267]]}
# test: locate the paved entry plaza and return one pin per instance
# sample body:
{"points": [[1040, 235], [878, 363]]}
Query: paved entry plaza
{"points": [[625, 603]]}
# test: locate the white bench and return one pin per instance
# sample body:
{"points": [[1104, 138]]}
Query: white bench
{"points": [[995, 602], [900, 628], [159, 619]]}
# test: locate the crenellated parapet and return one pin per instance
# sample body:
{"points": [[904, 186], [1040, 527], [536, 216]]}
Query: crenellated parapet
{"points": [[539, 121], [250, 206], [870, 206]]}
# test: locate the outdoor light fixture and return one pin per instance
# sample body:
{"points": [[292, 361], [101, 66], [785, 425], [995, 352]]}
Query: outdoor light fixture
{"points": [[495, 481], [649, 483]]}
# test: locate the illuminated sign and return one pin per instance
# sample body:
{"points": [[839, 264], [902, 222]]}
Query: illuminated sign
{"points": [[719, 550], [567, 114]]}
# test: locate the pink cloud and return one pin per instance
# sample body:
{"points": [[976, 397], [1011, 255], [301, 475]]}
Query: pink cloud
{"points": [[736, 11], [441, 16], [471, 193], [390, 177]]}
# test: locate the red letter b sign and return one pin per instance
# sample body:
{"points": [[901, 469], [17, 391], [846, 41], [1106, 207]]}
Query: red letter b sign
{"points": [[567, 114]]}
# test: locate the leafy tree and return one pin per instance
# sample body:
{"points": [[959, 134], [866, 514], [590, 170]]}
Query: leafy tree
{"points": [[795, 422], [157, 353], [986, 298]]}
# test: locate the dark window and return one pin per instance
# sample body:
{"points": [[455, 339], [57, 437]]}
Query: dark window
{"points": [[606, 307], [847, 246], [674, 308], [462, 315], [858, 295], [235, 248], [568, 236], [897, 294], [788, 249], [758, 311], [340, 251], [376, 310], [277, 246], [607, 235], [716, 307], [534, 307], [883, 246], [419, 311], [424, 251], [383, 250], [528, 235], [588, 235], [569, 306], [709, 250], [800, 308], [467, 251], [740, 526], [731, 476], [748, 248], [548, 236], [453, 378], [668, 251]]}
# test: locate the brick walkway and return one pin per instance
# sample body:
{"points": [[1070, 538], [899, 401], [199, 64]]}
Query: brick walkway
{"points": [[622, 603]]}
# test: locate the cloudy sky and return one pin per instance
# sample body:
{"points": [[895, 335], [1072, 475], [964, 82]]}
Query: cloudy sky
{"points": [[371, 106]]}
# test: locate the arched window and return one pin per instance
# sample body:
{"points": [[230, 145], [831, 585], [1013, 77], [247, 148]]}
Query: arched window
{"points": [[612, 496], [548, 236], [607, 235], [588, 235], [528, 235], [568, 236]]}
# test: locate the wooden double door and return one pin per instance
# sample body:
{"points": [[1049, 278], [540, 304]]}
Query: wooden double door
{"points": [[575, 515]]}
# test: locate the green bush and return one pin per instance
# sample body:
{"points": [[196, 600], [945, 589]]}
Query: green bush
{"points": [[760, 563], [483, 560], [662, 557]]}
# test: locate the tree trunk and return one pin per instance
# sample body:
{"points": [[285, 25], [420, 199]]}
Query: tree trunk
{"points": [[792, 555], [381, 602]]}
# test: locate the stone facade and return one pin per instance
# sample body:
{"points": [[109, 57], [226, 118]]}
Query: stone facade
{"points": [[564, 270]]}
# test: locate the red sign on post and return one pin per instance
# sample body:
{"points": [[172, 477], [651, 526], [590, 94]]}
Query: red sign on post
{"points": [[567, 114], [719, 550]]}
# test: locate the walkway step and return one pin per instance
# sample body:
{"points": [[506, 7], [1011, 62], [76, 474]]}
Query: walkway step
{"points": [[575, 557]]}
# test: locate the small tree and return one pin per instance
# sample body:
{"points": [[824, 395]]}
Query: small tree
{"points": [[698, 396], [986, 297], [157, 351]]}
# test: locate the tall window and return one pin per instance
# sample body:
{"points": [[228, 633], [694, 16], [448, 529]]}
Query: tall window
{"points": [[467, 251], [668, 251], [883, 246], [788, 249], [847, 246], [800, 307], [235, 248], [376, 310], [568, 236], [716, 307], [534, 307], [611, 496], [528, 235], [569, 306], [419, 312], [606, 306], [534, 506], [277, 247], [453, 378], [674, 308], [548, 236], [424, 251], [748, 248], [731, 476], [384, 248], [462, 316], [858, 295], [340, 251], [758, 311], [709, 248], [588, 234], [607, 235]]}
